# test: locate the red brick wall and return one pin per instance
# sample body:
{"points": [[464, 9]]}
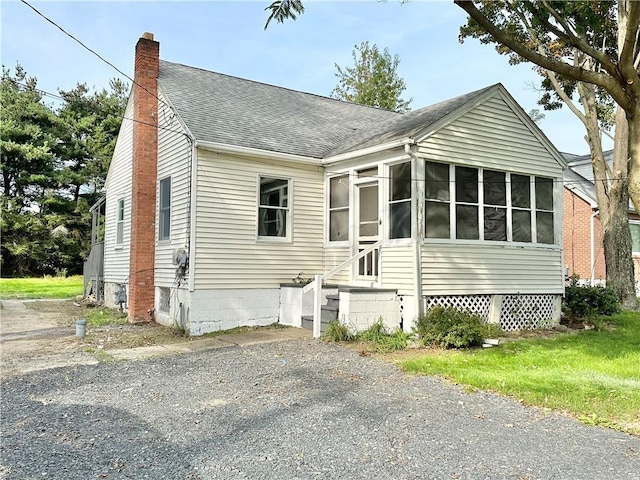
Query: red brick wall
{"points": [[144, 172], [577, 238]]}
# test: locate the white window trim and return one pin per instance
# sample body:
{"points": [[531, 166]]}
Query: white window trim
{"points": [[385, 185], [120, 223], [165, 239], [327, 211], [288, 215]]}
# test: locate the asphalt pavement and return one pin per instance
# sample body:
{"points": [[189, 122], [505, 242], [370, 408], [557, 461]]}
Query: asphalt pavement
{"points": [[296, 409]]}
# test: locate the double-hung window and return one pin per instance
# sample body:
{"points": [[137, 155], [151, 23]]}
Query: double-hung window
{"points": [[273, 209], [400, 200], [339, 209], [164, 212], [120, 222]]}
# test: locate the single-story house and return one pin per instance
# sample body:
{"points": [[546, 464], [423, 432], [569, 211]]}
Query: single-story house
{"points": [[583, 235], [225, 196]]}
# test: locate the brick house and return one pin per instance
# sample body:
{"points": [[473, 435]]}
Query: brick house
{"points": [[582, 229]]}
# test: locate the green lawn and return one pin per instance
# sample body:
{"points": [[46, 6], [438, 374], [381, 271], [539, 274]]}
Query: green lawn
{"points": [[593, 375], [47, 287]]}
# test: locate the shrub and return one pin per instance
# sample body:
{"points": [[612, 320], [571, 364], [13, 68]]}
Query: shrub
{"points": [[587, 302], [452, 328]]}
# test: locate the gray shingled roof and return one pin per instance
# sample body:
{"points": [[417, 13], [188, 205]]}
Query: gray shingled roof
{"points": [[234, 111]]}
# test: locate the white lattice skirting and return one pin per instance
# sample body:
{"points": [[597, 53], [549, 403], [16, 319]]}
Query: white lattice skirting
{"points": [[478, 304], [512, 312]]}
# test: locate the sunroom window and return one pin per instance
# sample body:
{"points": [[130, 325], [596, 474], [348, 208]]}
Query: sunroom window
{"points": [[544, 210], [521, 207], [273, 211], [494, 189], [400, 200], [339, 208], [467, 203], [438, 201], [487, 205]]}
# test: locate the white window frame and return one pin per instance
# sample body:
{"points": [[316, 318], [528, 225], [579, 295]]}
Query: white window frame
{"points": [[328, 210], [288, 209], [386, 185], [120, 204], [163, 216]]}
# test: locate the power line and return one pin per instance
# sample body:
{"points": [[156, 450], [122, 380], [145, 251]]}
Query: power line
{"points": [[58, 97], [93, 51]]}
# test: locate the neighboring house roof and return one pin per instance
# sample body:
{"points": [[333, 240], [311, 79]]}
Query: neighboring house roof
{"points": [[228, 110], [579, 176], [581, 186]]}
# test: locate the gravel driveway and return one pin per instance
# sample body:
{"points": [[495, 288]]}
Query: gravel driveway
{"points": [[288, 410]]}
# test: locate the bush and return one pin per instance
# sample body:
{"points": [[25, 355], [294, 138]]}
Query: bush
{"points": [[587, 302], [452, 328]]}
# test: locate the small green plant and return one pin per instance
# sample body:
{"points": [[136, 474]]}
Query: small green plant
{"points": [[338, 332], [452, 328], [587, 302], [382, 340], [299, 279], [100, 317]]}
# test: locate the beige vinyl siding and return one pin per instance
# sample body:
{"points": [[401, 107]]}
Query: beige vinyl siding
{"points": [[449, 269], [491, 136], [397, 268], [174, 156], [333, 257], [116, 257], [227, 252]]}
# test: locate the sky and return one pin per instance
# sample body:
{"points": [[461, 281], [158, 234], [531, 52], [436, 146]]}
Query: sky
{"points": [[229, 37]]}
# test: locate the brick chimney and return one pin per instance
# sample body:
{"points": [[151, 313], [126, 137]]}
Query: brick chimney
{"points": [[144, 179]]}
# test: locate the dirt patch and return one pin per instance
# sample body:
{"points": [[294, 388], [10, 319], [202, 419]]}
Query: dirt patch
{"points": [[35, 335]]}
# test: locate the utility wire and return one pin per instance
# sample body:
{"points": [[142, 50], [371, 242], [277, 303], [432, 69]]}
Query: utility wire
{"points": [[58, 97], [93, 51]]}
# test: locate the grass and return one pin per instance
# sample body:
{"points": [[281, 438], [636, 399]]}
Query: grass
{"points": [[592, 375], [376, 338], [100, 317], [47, 287]]}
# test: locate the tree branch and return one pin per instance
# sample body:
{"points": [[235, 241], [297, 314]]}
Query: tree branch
{"points": [[631, 21], [576, 73]]}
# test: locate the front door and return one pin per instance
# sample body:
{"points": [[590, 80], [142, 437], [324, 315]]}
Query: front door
{"points": [[368, 222]]}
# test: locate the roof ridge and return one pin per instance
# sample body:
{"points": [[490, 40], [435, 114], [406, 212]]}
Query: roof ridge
{"points": [[283, 88]]}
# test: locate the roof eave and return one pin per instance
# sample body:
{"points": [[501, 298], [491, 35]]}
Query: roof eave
{"points": [[367, 151], [254, 152]]}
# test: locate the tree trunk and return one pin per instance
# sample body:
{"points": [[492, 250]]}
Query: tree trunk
{"points": [[617, 253], [617, 237], [613, 200]]}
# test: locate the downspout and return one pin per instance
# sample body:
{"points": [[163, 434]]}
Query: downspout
{"points": [[592, 263], [191, 237], [417, 195]]}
